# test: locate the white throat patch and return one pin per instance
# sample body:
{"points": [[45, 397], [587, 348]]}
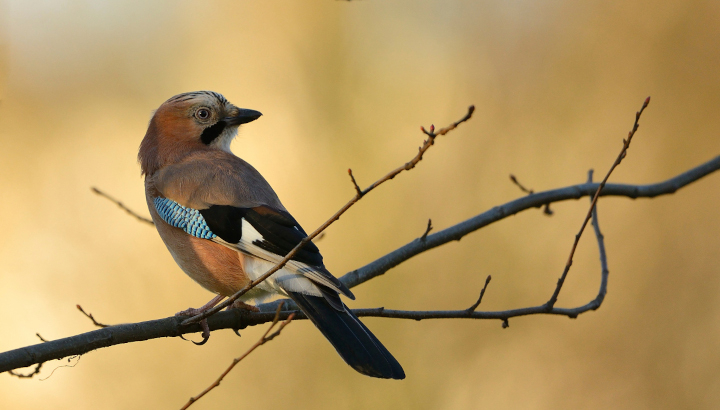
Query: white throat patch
{"points": [[225, 138]]}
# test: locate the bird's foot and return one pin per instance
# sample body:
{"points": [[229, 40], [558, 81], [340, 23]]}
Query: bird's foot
{"points": [[203, 323]]}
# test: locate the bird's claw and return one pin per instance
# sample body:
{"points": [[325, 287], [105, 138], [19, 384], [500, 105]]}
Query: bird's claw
{"points": [[205, 333], [203, 324]]}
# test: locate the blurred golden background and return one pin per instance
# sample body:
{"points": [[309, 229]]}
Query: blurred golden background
{"points": [[347, 84]]}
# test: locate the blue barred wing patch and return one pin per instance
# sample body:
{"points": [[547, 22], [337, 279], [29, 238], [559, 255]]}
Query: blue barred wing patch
{"points": [[188, 219]]}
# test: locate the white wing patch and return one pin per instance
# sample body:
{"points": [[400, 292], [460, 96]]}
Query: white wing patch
{"points": [[249, 233], [294, 276]]}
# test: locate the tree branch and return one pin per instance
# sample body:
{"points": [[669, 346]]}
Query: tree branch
{"points": [[458, 231], [472, 308], [90, 316], [122, 206], [237, 319], [505, 315]]}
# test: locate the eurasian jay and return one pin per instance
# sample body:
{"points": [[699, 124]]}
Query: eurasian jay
{"points": [[225, 226]]}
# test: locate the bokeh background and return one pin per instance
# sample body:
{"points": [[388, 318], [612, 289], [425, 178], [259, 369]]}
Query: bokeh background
{"points": [[347, 84]]}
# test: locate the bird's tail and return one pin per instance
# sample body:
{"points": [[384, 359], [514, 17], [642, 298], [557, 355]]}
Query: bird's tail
{"points": [[352, 340]]}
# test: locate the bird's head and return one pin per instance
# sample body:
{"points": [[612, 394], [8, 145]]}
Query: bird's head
{"points": [[189, 122]]}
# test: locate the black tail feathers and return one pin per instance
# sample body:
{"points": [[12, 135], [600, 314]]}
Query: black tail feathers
{"points": [[352, 340]]}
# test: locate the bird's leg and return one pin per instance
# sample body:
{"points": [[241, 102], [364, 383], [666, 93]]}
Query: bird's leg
{"points": [[203, 323]]}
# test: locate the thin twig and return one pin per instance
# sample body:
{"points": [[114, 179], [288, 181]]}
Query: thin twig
{"points": [[392, 174], [547, 211], [519, 185], [482, 293], [427, 230], [626, 144], [40, 337], [264, 339], [29, 375], [358, 191], [605, 272], [546, 207], [90, 316], [121, 205]]}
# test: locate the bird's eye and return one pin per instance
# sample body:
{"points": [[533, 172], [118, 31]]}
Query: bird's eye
{"points": [[202, 114]]}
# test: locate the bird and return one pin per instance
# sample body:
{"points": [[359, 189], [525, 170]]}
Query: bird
{"points": [[225, 226]]}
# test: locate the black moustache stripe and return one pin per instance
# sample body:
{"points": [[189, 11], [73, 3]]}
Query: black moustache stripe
{"points": [[212, 132]]}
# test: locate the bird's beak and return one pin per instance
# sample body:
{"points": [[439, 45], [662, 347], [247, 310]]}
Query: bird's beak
{"points": [[243, 116]]}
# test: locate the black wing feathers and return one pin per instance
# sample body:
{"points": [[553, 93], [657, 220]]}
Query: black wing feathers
{"points": [[280, 231], [225, 221], [352, 340]]}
